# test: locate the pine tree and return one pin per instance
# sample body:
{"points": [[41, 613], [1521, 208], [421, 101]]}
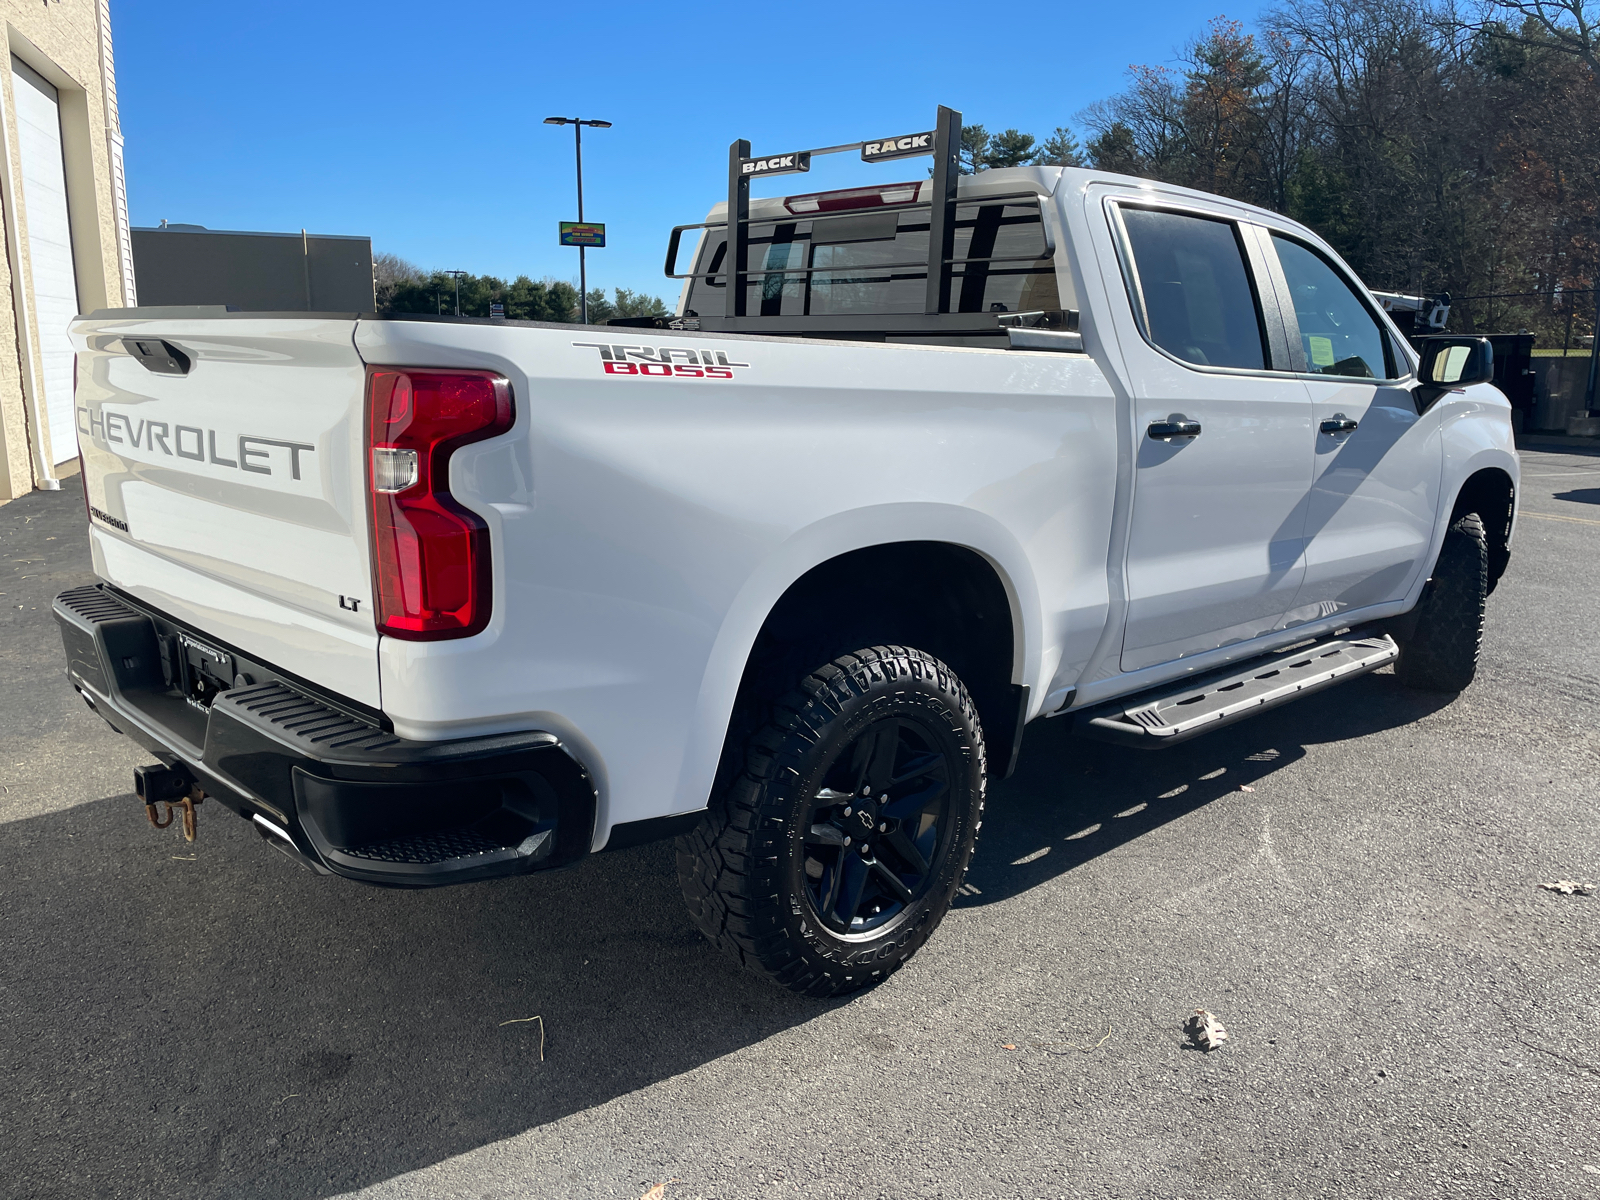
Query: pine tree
{"points": [[1060, 149], [1013, 148]]}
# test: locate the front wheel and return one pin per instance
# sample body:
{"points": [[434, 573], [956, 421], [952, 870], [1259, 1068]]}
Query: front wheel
{"points": [[837, 851], [1440, 651]]}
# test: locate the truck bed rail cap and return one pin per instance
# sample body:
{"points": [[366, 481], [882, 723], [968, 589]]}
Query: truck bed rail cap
{"points": [[197, 312]]}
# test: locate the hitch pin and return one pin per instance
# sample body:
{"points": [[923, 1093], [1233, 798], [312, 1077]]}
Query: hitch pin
{"points": [[186, 806]]}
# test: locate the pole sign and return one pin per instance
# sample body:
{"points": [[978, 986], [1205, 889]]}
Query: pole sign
{"points": [[582, 233], [497, 311], [906, 146], [776, 164]]}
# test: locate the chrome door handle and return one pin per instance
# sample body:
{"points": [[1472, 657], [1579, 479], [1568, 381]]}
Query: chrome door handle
{"points": [[1165, 431], [1339, 424]]}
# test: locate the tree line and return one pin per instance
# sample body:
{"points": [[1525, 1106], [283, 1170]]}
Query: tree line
{"points": [[404, 288], [1436, 150]]}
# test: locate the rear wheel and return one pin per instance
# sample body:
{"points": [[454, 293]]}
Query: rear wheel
{"points": [[1439, 653], [836, 852]]}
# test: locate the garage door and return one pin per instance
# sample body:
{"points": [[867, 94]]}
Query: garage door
{"points": [[55, 283]]}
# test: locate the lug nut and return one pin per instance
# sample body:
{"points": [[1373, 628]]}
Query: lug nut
{"points": [[848, 810], [884, 827], [866, 791], [847, 841]]}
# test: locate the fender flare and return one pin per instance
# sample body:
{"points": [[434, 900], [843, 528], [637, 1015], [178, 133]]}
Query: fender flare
{"points": [[809, 547], [1475, 436]]}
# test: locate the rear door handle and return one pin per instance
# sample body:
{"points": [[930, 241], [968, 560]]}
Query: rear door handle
{"points": [[1339, 424], [1165, 431]]}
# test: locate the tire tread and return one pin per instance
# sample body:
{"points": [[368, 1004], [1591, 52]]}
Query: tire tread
{"points": [[728, 866], [1441, 654]]}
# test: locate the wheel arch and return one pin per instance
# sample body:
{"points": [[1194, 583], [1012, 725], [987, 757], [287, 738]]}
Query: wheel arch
{"points": [[941, 557], [1492, 494]]}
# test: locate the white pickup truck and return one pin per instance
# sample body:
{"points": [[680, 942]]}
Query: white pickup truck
{"points": [[433, 600]]}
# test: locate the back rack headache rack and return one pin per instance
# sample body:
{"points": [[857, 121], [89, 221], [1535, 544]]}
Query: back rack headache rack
{"points": [[937, 197]]}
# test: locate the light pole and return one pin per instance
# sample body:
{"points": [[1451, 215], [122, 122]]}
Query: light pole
{"points": [[577, 141], [458, 275]]}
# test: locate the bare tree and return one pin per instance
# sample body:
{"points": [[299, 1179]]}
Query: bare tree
{"points": [[1570, 26], [390, 272]]}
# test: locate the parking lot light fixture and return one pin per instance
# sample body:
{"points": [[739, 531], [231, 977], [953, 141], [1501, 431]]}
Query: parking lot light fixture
{"points": [[458, 275], [577, 124]]}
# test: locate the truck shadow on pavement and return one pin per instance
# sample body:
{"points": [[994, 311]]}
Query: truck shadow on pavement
{"points": [[211, 1020], [1072, 799], [1580, 495]]}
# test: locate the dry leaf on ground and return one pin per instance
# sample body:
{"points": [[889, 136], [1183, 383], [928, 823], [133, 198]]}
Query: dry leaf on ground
{"points": [[1570, 887], [658, 1192], [1205, 1030]]}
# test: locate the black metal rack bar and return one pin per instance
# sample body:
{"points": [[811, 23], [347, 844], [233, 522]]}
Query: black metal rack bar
{"points": [[942, 218], [738, 227], [1048, 251], [942, 223], [861, 323]]}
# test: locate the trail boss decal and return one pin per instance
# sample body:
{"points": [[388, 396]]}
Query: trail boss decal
{"points": [[251, 453], [662, 362], [909, 146], [776, 164]]}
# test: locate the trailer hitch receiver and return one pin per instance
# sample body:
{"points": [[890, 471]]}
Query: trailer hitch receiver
{"points": [[173, 788]]}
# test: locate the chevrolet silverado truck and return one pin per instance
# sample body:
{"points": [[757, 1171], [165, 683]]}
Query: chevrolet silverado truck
{"points": [[783, 576]]}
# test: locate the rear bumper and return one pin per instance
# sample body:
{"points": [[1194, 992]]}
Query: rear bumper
{"points": [[321, 777]]}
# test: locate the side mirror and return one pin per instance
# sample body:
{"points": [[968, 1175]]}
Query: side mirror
{"points": [[1452, 363]]}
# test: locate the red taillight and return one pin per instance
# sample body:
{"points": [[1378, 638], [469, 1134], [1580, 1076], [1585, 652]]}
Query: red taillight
{"points": [[430, 556]]}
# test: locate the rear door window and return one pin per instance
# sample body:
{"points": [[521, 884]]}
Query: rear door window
{"points": [[1338, 332], [1198, 301], [875, 261]]}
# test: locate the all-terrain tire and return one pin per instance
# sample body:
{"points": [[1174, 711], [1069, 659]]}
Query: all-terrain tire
{"points": [[1440, 651], [749, 871]]}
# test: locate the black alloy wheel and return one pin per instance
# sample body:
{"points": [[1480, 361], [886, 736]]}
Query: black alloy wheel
{"points": [[836, 852], [879, 829]]}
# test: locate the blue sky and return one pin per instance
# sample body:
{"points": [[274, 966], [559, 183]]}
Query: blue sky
{"points": [[421, 125]]}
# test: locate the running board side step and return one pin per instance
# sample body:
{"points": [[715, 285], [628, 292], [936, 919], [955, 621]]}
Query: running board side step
{"points": [[1165, 716]]}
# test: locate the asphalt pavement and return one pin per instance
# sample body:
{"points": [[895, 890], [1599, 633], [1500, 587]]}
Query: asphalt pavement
{"points": [[1351, 884]]}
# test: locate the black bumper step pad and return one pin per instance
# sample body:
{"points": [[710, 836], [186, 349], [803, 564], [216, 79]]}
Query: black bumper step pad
{"points": [[425, 848], [329, 735]]}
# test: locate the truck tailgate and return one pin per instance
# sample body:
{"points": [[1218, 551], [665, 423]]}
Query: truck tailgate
{"points": [[224, 467]]}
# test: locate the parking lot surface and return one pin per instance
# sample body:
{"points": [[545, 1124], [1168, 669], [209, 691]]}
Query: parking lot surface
{"points": [[1350, 883]]}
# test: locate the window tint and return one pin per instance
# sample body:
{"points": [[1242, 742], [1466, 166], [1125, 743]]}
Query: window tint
{"points": [[1197, 296], [1338, 332], [874, 262]]}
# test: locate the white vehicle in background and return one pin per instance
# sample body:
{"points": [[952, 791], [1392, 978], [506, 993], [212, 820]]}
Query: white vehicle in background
{"points": [[431, 600]]}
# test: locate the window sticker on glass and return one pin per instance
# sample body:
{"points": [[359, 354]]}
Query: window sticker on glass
{"points": [[1338, 332]]}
